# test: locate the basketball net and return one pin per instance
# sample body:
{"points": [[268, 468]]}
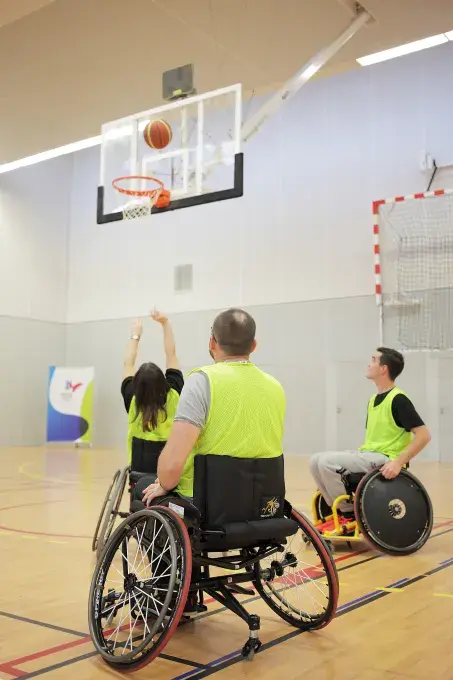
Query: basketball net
{"points": [[144, 199], [140, 207]]}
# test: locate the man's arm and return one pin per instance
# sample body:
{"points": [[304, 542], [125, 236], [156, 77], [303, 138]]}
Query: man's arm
{"points": [[422, 437], [406, 416], [182, 439], [190, 418], [130, 356]]}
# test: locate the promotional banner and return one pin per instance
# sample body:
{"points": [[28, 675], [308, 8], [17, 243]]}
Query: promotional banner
{"points": [[70, 404]]}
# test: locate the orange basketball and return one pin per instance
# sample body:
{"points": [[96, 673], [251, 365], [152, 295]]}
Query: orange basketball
{"points": [[157, 134]]}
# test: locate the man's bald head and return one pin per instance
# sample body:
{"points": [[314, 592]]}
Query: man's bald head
{"points": [[234, 332]]}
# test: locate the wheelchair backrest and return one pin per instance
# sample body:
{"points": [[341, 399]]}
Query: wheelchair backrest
{"points": [[229, 489]]}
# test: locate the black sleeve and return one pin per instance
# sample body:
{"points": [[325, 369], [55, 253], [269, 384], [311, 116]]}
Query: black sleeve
{"points": [[127, 391], [404, 413], [175, 379]]}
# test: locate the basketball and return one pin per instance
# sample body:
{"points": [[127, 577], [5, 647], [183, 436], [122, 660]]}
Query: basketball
{"points": [[157, 134]]}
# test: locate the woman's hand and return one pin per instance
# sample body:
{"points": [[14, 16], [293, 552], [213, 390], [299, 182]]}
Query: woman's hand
{"points": [[137, 327], [160, 317]]}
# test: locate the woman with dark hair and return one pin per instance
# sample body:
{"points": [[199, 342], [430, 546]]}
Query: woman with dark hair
{"points": [[150, 398]]}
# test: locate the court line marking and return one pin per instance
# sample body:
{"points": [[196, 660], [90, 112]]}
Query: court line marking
{"points": [[374, 595], [87, 638], [236, 657], [34, 534], [43, 533], [43, 624]]}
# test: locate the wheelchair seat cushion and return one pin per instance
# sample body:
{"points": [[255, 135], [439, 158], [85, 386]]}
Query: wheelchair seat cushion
{"points": [[235, 535], [183, 507], [134, 476]]}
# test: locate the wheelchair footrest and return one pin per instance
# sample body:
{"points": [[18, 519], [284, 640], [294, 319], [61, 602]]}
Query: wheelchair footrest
{"points": [[347, 526]]}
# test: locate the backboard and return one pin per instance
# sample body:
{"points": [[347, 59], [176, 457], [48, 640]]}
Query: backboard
{"points": [[202, 163]]}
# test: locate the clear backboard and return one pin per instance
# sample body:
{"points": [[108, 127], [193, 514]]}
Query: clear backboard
{"points": [[202, 163]]}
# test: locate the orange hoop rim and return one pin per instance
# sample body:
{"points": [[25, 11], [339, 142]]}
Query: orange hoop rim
{"points": [[146, 193]]}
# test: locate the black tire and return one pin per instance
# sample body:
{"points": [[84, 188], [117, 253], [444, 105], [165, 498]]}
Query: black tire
{"points": [[111, 511], [323, 570], [322, 508], [164, 538], [395, 516], [94, 543]]}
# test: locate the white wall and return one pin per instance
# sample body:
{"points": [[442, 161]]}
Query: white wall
{"points": [[302, 231], [34, 216]]}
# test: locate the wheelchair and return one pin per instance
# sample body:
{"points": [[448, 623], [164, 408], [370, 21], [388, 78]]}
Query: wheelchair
{"points": [[110, 510], [394, 516], [159, 563]]}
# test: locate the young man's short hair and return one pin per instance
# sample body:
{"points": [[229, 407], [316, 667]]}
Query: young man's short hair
{"points": [[393, 359]]}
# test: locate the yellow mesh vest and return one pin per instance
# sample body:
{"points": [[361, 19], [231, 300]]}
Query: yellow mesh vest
{"points": [[246, 416], [382, 433], [161, 432]]}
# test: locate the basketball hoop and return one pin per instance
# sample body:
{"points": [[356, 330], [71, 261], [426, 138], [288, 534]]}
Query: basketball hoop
{"points": [[147, 198]]}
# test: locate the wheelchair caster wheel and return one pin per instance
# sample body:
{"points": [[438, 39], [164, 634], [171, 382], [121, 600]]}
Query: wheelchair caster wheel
{"points": [[250, 648]]}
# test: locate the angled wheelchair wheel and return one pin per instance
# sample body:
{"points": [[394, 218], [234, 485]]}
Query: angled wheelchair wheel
{"points": [[94, 543], [322, 508], [300, 586], [139, 588], [395, 516], [111, 510]]}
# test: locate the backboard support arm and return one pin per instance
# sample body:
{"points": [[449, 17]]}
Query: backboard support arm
{"points": [[299, 79]]}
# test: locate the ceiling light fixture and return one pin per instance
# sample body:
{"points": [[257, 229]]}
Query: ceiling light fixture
{"points": [[409, 48]]}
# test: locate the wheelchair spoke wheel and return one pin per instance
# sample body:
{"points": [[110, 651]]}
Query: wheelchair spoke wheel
{"points": [[139, 588], [303, 593], [111, 511], [94, 543]]}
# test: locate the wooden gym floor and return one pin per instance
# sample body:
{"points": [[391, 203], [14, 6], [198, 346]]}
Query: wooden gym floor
{"points": [[394, 621]]}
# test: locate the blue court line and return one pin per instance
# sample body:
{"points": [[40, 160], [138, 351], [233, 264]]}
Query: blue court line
{"points": [[237, 652]]}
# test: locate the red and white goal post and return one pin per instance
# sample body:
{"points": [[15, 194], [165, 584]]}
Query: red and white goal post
{"points": [[413, 270]]}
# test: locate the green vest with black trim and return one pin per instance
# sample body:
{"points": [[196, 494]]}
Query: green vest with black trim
{"points": [[164, 425], [383, 435], [245, 419]]}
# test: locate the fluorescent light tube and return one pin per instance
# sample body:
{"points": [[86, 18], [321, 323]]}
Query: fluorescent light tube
{"points": [[403, 49]]}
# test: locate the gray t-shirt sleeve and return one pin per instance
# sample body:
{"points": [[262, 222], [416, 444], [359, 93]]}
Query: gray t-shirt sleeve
{"points": [[193, 406]]}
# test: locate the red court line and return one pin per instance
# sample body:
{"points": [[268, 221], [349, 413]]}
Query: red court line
{"points": [[10, 669], [27, 505], [36, 533], [42, 533]]}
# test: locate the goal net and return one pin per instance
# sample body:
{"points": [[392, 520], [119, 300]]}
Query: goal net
{"points": [[414, 270]]}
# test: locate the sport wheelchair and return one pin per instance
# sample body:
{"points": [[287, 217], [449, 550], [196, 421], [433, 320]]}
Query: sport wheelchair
{"points": [[157, 564], [110, 510], [394, 516]]}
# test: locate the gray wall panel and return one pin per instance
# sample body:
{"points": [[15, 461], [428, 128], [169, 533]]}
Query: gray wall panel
{"points": [[28, 349]]}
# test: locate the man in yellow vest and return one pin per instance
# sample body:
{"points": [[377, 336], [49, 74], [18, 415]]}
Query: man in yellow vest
{"points": [[395, 433], [230, 408]]}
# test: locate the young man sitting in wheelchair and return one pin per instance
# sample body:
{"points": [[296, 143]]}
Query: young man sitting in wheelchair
{"points": [[395, 433], [220, 490]]}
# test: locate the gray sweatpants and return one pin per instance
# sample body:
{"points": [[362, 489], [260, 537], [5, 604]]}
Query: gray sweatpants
{"points": [[325, 467]]}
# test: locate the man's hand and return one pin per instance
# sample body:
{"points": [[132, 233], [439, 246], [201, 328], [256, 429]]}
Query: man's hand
{"points": [[137, 328], [160, 317], [153, 491], [391, 469]]}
